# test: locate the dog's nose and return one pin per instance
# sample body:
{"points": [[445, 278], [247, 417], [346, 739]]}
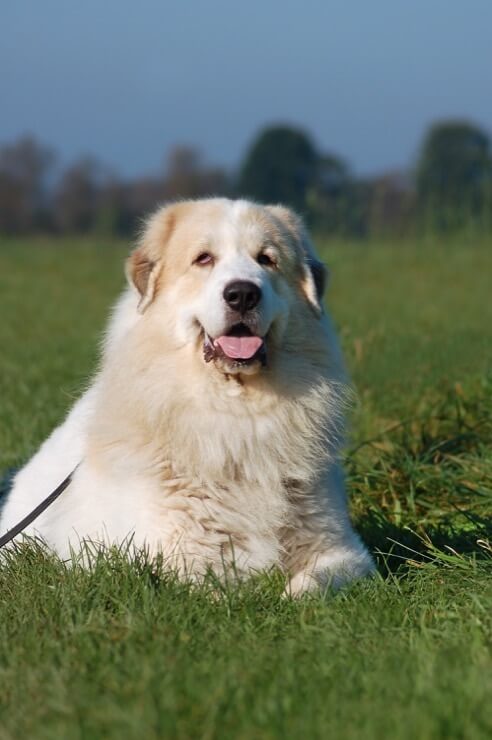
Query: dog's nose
{"points": [[242, 295]]}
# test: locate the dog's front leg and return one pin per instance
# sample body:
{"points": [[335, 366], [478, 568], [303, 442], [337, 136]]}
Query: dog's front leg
{"points": [[331, 569], [321, 548]]}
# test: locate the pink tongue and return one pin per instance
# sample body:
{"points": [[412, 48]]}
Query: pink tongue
{"points": [[239, 348]]}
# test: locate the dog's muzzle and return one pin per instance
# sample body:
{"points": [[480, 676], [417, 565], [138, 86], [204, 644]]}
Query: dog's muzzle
{"points": [[239, 347]]}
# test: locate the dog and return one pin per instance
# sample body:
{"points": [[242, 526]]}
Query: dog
{"points": [[211, 433]]}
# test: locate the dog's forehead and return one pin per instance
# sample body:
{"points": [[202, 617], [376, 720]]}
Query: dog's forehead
{"points": [[227, 226], [240, 228]]}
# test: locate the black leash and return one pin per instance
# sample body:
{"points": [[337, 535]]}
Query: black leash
{"points": [[9, 536]]}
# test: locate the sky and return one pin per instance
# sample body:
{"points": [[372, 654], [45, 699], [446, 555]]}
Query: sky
{"points": [[126, 81]]}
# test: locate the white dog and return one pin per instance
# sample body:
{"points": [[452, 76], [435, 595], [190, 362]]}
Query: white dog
{"points": [[211, 433]]}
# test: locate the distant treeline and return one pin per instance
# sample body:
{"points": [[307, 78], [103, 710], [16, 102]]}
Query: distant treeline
{"points": [[449, 189]]}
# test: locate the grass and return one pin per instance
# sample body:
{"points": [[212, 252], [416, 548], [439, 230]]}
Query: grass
{"points": [[119, 651]]}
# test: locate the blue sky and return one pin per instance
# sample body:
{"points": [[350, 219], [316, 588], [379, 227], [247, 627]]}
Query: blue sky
{"points": [[127, 80]]}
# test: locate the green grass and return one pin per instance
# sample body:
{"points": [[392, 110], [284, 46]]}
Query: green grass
{"points": [[119, 651]]}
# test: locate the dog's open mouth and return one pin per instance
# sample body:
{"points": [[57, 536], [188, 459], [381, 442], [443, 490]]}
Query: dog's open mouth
{"points": [[239, 346]]}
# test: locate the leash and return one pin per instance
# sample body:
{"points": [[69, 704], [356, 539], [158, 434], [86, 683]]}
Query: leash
{"points": [[17, 529]]}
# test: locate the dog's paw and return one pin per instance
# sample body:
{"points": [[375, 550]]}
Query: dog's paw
{"points": [[331, 570]]}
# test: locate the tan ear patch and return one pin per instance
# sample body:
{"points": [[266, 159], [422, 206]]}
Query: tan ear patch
{"points": [[308, 287], [320, 276], [140, 269], [314, 273], [142, 272], [143, 265]]}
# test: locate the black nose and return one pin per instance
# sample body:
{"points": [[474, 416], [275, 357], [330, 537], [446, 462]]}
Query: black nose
{"points": [[241, 295]]}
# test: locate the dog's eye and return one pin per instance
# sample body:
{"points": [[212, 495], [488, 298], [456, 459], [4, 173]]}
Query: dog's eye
{"points": [[203, 259], [265, 260]]}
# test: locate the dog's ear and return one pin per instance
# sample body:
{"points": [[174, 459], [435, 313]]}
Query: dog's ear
{"points": [[314, 283], [144, 265], [314, 275], [142, 272]]}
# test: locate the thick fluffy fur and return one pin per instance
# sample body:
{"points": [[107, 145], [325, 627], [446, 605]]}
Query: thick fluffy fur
{"points": [[211, 464]]}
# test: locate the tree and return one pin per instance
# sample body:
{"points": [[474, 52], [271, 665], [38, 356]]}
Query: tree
{"points": [[454, 174], [390, 204], [76, 197], [280, 167], [330, 196], [24, 170], [188, 177], [183, 172]]}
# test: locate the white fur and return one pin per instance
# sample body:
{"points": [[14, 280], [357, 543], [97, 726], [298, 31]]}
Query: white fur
{"points": [[209, 468]]}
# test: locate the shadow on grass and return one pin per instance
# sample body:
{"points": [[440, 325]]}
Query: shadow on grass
{"points": [[400, 547], [422, 490]]}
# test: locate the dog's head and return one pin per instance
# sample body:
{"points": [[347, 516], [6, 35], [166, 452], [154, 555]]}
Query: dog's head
{"points": [[225, 276]]}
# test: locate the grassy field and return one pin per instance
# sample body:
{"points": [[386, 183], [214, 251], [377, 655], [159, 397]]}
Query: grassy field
{"points": [[119, 652]]}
